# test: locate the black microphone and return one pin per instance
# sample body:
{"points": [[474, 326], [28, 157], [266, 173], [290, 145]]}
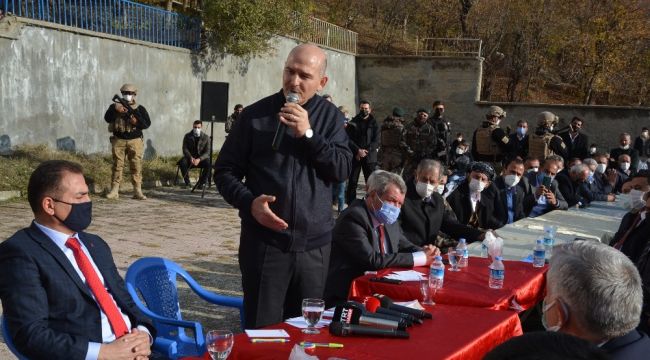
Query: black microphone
{"points": [[387, 303], [338, 328], [282, 128], [374, 306], [401, 322], [350, 314]]}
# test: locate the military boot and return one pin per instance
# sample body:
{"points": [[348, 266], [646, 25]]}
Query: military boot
{"points": [[115, 191], [137, 192]]}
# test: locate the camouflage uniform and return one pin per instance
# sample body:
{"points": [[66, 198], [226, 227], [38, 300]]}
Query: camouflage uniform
{"points": [[391, 156], [419, 142]]}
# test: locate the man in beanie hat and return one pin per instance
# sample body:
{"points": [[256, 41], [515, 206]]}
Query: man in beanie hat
{"points": [[391, 154], [419, 142]]}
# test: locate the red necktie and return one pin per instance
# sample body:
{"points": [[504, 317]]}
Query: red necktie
{"points": [[99, 291], [381, 239]]}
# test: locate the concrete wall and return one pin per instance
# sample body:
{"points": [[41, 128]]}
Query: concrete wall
{"points": [[57, 82], [414, 82]]}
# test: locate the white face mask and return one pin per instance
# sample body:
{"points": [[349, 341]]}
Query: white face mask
{"points": [[460, 151], [534, 169], [128, 97], [624, 166], [600, 168], [545, 308], [424, 189], [625, 147], [592, 151], [511, 180], [636, 199], [440, 189], [197, 132], [476, 185]]}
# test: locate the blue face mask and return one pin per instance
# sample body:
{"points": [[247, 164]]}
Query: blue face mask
{"points": [[387, 214], [521, 131]]}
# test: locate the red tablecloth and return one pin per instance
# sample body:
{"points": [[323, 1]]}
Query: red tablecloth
{"points": [[523, 284], [456, 332]]}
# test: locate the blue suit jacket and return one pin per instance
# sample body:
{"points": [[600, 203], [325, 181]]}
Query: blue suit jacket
{"points": [[50, 312]]}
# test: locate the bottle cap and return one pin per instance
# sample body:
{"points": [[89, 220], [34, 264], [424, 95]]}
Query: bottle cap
{"points": [[438, 257], [539, 241], [461, 240], [498, 258]]}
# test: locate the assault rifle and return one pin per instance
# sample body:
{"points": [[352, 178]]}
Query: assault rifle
{"points": [[129, 109]]}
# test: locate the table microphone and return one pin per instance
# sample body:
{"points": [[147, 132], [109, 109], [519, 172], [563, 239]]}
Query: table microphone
{"points": [[350, 314], [282, 127], [387, 303], [401, 322], [374, 306], [338, 328]]}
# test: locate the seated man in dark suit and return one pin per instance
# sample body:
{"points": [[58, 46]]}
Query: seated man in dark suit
{"points": [[196, 153], [545, 188], [425, 213], [597, 182], [634, 231], [574, 186], [594, 292], [367, 237], [475, 199], [514, 192], [62, 296]]}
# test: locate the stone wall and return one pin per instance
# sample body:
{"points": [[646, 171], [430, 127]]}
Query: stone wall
{"points": [[57, 82]]}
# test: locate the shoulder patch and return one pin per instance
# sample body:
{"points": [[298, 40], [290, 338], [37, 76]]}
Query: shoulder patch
{"points": [[505, 140], [563, 145]]}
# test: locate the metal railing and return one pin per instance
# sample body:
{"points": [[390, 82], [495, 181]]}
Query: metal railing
{"points": [[448, 47], [308, 28], [116, 17]]}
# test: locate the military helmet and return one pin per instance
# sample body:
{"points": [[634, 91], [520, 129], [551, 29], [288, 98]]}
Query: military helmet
{"points": [[547, 119], [129, 88], [495, 111]]}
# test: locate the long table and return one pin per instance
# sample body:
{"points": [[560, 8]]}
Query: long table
{"points": [[523, 286], [598, 222], [454, 333]]}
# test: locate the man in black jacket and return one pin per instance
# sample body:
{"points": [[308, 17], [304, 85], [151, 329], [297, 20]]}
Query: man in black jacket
{"points": [[624, 141], [363, 131], [425, 213], [196, 153], [515, 194], [368, 237], [577, 143], [285, 202], [475, 200]]}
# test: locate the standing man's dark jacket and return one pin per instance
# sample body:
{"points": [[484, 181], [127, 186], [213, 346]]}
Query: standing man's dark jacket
{"points": [[50, 312], [460, 201], [517, 146], [364, 134], [196, 147], [421, 220], [300, 174], [355, 250], [578, 148]]}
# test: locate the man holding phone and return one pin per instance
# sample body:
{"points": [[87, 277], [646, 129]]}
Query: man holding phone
{"points": [[546, 190]]}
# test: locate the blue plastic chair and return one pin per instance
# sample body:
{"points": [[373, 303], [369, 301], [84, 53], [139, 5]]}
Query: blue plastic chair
{"points": [[155, 280], [9, 342]]}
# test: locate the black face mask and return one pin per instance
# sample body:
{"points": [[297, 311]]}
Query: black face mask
{"points": [[364, 113], [437, 114], [80, 215]]}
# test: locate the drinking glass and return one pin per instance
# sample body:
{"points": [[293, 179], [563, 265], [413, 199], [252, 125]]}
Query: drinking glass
{"points": [[426, 288], [454, 257], [312, 310], [219, 343]]}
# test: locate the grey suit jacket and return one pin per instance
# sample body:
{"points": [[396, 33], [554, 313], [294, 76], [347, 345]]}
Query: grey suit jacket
{"points": [[355, 250]]}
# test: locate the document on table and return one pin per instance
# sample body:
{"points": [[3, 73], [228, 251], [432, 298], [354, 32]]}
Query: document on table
{"points": [[408, 275], [300, 322], [275, 333]]}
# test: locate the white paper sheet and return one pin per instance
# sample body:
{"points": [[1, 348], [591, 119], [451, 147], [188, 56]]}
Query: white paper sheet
{"points": [[408, 275], [273, 333], [300, 322]]}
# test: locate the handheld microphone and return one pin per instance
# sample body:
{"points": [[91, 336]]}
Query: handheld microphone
{"points": [[374, 306], [282, 128], [350, 314], [401, 322], [387, 303], [338, 328]]}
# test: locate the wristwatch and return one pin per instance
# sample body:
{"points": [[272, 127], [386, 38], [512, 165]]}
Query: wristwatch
{"points": [[309, 133]]}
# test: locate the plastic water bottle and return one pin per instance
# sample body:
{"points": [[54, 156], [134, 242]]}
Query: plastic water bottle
{"points": [[462, 246], [539, 253], [484, 250], [497, 273], [549, 238], [437, 273]]}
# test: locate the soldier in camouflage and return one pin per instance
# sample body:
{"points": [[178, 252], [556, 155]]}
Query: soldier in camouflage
{"points": [[419, 142], [544, 143], [391, 154], [490, 142]]}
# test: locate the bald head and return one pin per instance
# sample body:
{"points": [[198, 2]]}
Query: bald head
{"points": [[304, 71]]}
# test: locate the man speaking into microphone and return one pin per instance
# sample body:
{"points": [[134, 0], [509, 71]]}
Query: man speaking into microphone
{"points": [[285, 202]]}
